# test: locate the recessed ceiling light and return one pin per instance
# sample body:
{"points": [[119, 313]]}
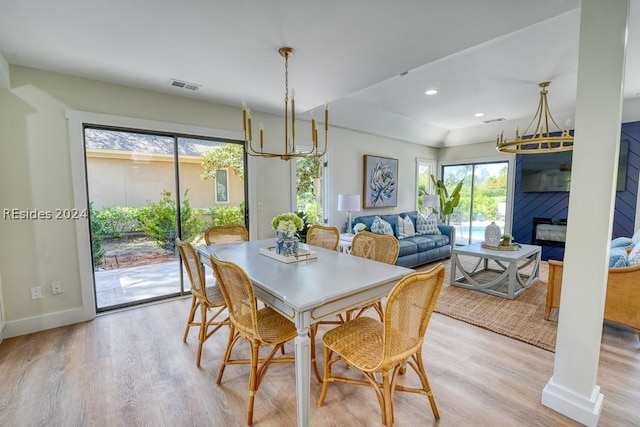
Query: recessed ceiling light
{"points": [[479, 114], [431, 91]]}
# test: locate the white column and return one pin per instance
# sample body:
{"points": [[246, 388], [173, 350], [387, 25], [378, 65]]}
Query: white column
{"points": [[572, 390]]}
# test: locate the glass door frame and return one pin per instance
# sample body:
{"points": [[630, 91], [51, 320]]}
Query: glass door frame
{"points": [[76, 121], [508, 221]]}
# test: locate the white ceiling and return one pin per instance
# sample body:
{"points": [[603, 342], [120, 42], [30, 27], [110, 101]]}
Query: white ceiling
{"points": [[483, 56]]}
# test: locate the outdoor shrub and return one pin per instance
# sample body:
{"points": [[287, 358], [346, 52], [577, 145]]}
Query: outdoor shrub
{"points": [[158, 221], [303, 233], [227, 215], [313, 212], [97, 234], [115, 221]]}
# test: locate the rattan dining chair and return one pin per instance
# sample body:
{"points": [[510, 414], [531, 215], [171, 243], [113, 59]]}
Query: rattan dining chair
{"points": [[374, 347], [203, 297], [259, 328], [324, 237], [378, 247], [220, 234]]}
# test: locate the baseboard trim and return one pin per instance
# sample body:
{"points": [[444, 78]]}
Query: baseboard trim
{"points": [[49, 321], [574, 406], [1, 331]]}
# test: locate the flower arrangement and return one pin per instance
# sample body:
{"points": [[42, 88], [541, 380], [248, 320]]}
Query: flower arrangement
{"points": [[287, 224], [359, 227]]}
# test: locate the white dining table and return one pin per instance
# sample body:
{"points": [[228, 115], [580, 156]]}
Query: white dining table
{"points": [[308, 291]]}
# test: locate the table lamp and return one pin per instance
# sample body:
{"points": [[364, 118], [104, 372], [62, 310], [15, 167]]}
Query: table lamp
{"points": [[431, 201], [349, 203]]}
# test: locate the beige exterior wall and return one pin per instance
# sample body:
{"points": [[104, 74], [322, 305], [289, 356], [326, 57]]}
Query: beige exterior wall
{"points": [[136, 183]]}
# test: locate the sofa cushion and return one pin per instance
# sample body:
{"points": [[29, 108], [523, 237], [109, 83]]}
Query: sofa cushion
{"points": [[427, 224], [405, 227], [424, 242], [380, 226], [618, 257], [407, 247]]}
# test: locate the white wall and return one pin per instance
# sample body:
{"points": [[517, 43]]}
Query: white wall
{"points": [[36, 174]]}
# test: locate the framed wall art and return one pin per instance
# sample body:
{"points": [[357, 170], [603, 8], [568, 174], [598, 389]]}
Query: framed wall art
{"points": [[380, 182]]}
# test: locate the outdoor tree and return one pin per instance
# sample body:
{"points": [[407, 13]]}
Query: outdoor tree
{"points": [[308, 173], [225, 156]]}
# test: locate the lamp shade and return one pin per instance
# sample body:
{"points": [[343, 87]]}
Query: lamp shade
{"points": [[431, 201], [348, 202]]}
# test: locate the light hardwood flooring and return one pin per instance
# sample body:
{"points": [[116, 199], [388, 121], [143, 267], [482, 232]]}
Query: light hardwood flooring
{"points": [[131, 368]]}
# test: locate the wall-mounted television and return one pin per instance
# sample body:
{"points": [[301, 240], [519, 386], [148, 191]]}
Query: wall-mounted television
{"points": [[552, 171]]}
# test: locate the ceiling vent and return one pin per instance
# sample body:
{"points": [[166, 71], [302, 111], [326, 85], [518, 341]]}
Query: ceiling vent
{"points": [[499, 119], [185, 85]]}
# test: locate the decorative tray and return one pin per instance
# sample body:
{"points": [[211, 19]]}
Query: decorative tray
{"points": [[303, 254], [512, 247]]}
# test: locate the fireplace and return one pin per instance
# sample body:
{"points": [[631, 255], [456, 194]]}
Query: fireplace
{"points": [[549, 232]]}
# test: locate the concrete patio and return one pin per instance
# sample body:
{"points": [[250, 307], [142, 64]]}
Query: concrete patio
{"points": [[138, 284]]}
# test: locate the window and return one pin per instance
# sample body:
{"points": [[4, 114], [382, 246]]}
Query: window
{"points": [[222, 186], [483, 198], [424, 170]]}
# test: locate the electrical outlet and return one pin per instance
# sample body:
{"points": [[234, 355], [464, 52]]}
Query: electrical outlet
{"points": [[36, 292], [260, 207], [56, 287]]}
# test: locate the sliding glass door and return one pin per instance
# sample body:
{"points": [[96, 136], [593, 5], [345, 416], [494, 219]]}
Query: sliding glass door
{"points": [[146, 189], [483, 198]]}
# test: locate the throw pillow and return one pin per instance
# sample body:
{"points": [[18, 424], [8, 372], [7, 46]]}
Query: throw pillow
{"points": [[405, 227], [380, 226], [634, 256], [618, 257], [427, 224], [622, 242]]}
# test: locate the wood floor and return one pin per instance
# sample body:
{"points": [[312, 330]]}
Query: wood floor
{"points": [[132, 369]]}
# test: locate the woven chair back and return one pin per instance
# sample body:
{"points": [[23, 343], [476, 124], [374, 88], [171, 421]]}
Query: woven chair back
{"points": [[407, 313], [325, 237], [378, 247], [237, 290], [194, 268], [221, 234]]}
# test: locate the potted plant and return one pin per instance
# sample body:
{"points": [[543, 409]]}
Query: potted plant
{"points": [[506, 239], [448, 201]]}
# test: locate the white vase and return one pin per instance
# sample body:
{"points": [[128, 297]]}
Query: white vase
{"points": [[492, 234]]}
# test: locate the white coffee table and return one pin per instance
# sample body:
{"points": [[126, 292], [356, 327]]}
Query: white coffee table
{"points": [[509, 265], [344, 244]]}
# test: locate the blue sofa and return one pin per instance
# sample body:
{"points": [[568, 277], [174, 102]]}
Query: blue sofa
{"points": [[419, 249]]}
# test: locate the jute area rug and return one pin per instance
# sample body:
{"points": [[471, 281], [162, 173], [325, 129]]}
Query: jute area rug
{"points": [[521, 318]]}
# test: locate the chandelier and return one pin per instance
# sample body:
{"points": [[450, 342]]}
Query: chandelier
{"points": [[290, 150], [541, 141]]}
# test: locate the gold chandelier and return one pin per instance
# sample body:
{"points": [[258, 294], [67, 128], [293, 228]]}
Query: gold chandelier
{"points": [[290, 150], [541, 141]]}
